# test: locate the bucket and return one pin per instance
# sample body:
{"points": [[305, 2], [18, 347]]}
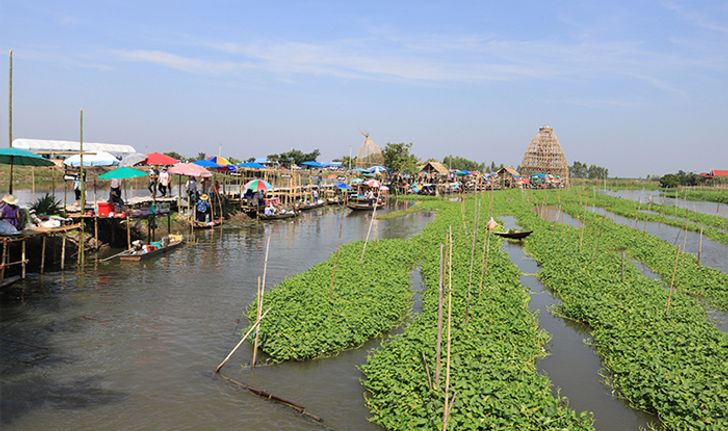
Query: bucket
{"points": [[105, 208]]}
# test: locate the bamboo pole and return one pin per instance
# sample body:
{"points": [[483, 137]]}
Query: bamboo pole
{"points": [[476, 222], [449, 337], [440, 301], [128, 232], [259, 310], [622, 267], [700, 245], [22, 259], [674, 271], [82, 248], [371, 223], [43, 253], [237, 346], [427, 370], [3, 259], [63, 250]]}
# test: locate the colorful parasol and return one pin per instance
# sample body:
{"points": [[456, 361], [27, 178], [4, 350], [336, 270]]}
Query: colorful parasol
{"points": [[258, 185], [159, 159], [372, 183], [121, 173], [190, 170], [222, 161]]}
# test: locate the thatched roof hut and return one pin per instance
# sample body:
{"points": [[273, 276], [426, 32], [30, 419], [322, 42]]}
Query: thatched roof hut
{"points": [[545, 156], [369, 154], [433, 166]]}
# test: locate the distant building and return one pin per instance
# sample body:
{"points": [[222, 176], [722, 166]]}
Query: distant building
{"points": [[545, 156], [53, 149]]}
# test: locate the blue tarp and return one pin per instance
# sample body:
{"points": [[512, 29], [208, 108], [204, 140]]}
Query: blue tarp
{"points": [[207, 164], [313, 164], [343, 186], [251, 165]]}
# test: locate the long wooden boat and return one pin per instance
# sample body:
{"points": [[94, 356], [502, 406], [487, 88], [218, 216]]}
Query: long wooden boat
{"points": [[206, 225], [269, 217], [311, 205], [514, 235], [363, 205], [334, 201], [129, 256]]}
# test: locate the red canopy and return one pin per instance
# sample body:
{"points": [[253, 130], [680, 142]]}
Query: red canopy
{"points": [[159, 159]]}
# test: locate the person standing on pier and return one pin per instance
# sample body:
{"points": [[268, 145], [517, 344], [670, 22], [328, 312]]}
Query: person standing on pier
{"points": [[164, 182], [153, 179]]}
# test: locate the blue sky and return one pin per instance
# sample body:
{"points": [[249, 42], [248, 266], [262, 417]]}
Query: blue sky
{"points": [[638, 86]]}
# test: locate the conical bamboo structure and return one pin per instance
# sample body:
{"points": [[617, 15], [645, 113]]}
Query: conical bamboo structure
{"points": [[545, 156], [369, 153]]}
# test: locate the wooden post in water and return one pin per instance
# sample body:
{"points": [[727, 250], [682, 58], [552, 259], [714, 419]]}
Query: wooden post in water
{"points": [[43, 253], [81, 241], [22, 259], [257, 317], [128, 232], [63, 250]]}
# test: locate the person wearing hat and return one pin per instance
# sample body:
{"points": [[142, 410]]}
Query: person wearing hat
{"points": [[203, 208], [9, 211]]}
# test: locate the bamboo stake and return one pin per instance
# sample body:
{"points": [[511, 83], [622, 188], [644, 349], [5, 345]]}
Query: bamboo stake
{"points": [[82, 248], [622, 269], [427, 370], [63, 250], [257, 317], [700, 245], [484, 262], [22, 259], [449, 337], [440, 301], [43, 253], [128, 232], [237, 346], [3, 259], [371, 223], [674, 272]]}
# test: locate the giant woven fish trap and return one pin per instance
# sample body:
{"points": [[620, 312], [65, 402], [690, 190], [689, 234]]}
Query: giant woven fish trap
{"points": [[545, 156], [369, 153]]}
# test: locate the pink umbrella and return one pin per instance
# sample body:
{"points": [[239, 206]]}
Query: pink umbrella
{"points": [[383, 188], [372, 183], [190, 170]]}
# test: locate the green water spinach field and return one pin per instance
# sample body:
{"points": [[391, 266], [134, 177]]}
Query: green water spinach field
{"points": [[494, 377], [708, 195], [697, 280], [309, 317], [673, 364]]}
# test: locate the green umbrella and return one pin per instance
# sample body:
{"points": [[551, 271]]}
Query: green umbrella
{"points": [[16, 156], [121, 173]]}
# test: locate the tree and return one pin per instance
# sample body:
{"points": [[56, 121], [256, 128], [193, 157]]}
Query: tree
{"points": [[397, 157], [346, 161], [581, 170], [176, 155], [201, 156], [461, 163]]}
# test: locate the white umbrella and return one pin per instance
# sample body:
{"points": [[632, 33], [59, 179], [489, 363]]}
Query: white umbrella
{"points": [[132, 159], [100, 158]]}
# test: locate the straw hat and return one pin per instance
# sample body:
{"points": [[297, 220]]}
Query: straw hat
{"points": [[204, 197], [10, 200]]}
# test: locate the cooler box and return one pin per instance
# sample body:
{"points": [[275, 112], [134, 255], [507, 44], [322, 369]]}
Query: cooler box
{"points": [[105, 208]]}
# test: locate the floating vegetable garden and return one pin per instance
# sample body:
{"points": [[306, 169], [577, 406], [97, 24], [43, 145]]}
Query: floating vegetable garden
{"points": [[658, 348]]}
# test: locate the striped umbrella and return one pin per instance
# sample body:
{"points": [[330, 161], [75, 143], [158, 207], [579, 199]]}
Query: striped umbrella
{"points": [[258, 185]]}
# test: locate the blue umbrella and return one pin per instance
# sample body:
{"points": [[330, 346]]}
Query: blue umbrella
{"points": [[251, 165], [313, 164], [343, 186], [377, 169], [207, 164]]}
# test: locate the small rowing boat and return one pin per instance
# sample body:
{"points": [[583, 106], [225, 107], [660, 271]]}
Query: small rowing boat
{"points": [[269, 217], [514, 234], [363, 205], [206, 224], [136, 256], [311, 205]]}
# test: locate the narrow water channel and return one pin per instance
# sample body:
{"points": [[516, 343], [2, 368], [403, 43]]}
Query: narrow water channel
{"points": [[714, 254], [554, 214], [644, 196], [571, 364], [130, 346]]}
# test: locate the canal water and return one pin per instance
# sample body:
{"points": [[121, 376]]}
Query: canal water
{"points": [[714, 254], [571, 364], [644, 196], [133, 346]]}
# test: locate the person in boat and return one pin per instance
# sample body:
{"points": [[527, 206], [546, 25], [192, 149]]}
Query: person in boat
{"points": [[203, 208], [315, 195], [269, 209], [191, 187], [10, 216], [370, 197], [164, 182], [115, 194]]}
